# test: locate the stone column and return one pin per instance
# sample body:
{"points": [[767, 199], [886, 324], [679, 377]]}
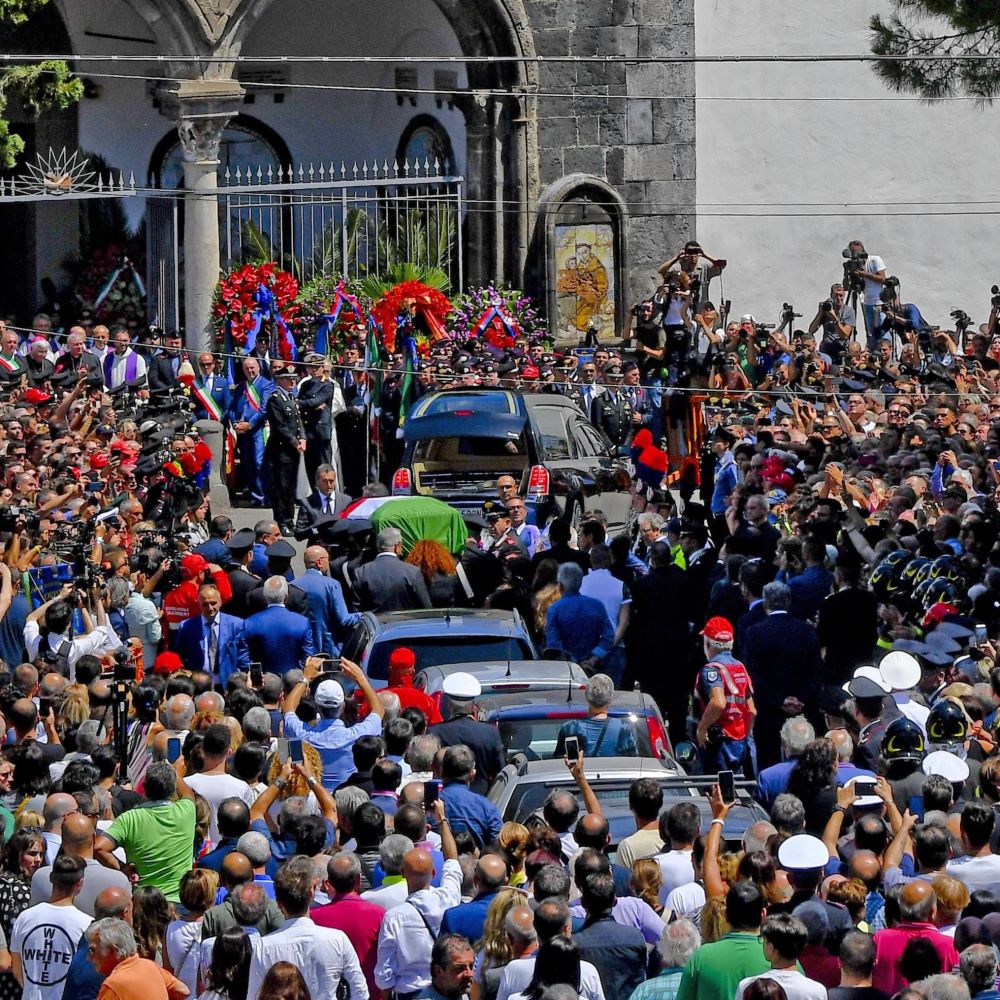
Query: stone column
{"points": [[483, 222], [201, 109]]}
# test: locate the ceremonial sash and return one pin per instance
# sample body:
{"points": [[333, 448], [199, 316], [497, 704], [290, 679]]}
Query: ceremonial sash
{"points": [[10, 365], [131, 366], [208, 403], [253, 397]]}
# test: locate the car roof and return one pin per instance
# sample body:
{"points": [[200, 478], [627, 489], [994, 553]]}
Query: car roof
{"points": [[595, 769], [457, 621], [518, 669]]}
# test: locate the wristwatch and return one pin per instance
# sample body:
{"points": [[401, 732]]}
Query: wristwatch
{"points": [[280, 784]]}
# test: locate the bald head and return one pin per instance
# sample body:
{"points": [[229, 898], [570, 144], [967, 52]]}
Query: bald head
{"points": [[178, 712], [418, 869], [56, 807], [865, 866], [316, 557], [592, 829], [115, 903], [78, 835], [491, 873], [210, 701], [917, 902], [520, 927], [412, 794], [235, 870], [842, 743]]}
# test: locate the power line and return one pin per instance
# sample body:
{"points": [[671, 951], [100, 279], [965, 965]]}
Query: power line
{"points": [[610, 59]]}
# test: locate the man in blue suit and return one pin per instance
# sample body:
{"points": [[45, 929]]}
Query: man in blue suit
{"points": [[328, 614], [212, 395], [248, 414], [469, 918], [213, 642], [278, 638]]}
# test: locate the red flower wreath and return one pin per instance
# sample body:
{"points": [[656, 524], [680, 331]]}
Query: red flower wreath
{"points": [[235, 303], [432, 305]]}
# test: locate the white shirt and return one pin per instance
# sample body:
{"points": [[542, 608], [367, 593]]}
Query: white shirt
{"points": [[323, 955], [914, 712], [387, 896], [676, 870], [976, 873], [795, 985], [872, 290], [45, 937], [101, 640], [687, 901], [182, 943], [143, 620], [517, 977], [214, 788]]}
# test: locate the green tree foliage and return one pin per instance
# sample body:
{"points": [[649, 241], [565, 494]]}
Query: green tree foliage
{"points": [[40, 86], [934, 28]]}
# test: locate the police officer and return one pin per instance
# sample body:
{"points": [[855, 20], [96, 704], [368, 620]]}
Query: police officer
{"points": [[285, 446], [503, 539], [241, 580], [724, 705], [461, 691], [874, 712], [612, 412]]}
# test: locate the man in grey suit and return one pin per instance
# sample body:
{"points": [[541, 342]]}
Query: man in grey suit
{"points": [[387, 583], [324, 500]]}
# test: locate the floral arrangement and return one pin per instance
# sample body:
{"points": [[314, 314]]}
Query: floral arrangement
{"points": [[511, 304], [126, 296], [432, 307], [250, 294], [317, 302]]}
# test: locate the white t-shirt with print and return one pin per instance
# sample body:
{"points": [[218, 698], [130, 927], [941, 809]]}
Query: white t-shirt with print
{"points": [[46, 938]]}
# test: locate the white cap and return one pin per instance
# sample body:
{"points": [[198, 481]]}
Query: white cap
{"points": [[461, 687], [329, 694], [873, 674], [900, 670], [867, 801], [803, 852], [947, 765]]}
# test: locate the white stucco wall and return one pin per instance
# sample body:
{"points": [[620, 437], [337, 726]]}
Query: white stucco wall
{"points": [[822, 170]]}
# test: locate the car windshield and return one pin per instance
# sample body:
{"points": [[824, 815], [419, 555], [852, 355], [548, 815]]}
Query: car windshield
{"points": [[435, 650], [537, 738], [457, 402]]}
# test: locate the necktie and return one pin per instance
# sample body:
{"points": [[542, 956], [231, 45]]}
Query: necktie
{"points": [[326, 505], [213, 646]]}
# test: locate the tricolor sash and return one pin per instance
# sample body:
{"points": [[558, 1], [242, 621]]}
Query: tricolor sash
{"points": [[207, 401], [11, 364]]}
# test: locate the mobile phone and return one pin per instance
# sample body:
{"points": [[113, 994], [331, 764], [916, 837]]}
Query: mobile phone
{"points": [[331, 665], [173, 748], [295, 751], [281, 749], [727, 786], [256, 675], [432, 790], [94, 487], [44, 707], [864, 786], [571, 747], [980, 637]]}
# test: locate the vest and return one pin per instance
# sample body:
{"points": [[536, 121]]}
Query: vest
{"points": [[738, 688]]}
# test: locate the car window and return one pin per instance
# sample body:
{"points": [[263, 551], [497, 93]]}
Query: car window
{"points": [[584, 445], [596, 444], [435, 650], [455, 402], [554, 441], [357, 641], [537, 738]]}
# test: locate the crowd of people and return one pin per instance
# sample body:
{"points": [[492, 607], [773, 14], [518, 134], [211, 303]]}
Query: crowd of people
{"points": [[194, 805]]}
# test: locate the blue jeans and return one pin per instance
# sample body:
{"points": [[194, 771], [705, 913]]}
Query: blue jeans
{"points": [[727, 756], [873, 321]]}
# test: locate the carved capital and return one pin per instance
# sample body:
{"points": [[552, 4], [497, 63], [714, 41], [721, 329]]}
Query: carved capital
{"points": [[200, 137], [201, 110]]}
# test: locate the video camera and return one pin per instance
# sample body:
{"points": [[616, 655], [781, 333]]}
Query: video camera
{"points": [[854, 260], [9, 516]]}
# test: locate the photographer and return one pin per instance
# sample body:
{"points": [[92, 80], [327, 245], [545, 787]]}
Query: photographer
{"points": [[870, 271], [674, 300], [53, 639], [650, 349], [838, 319], [899, 318], [699, 274], [709, 338]]}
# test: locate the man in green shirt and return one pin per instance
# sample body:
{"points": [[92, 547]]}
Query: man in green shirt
{"points": [[714, 971], [158, 836]]}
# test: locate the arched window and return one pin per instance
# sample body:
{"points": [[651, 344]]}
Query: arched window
{"points": [[425, 138], [246, 144]]}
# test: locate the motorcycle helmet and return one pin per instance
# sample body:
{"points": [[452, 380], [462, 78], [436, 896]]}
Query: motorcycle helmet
{"points": [[945, 568], [903, 740], [941, 591], [899, 557], [910, 571], [886, 583]]}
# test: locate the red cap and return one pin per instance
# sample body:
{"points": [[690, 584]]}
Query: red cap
{"points": [[643, 438], [654, 458], [193, 564], [718, 629], [99, 460], [402, 658], [937, 613], [530, 372], [36, 396], [167, 663]]}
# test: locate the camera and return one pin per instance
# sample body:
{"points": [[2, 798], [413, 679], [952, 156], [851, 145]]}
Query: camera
{"points": [[853, 261], [995, 292], [9, 516], [826, 305], [788, 311]]}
